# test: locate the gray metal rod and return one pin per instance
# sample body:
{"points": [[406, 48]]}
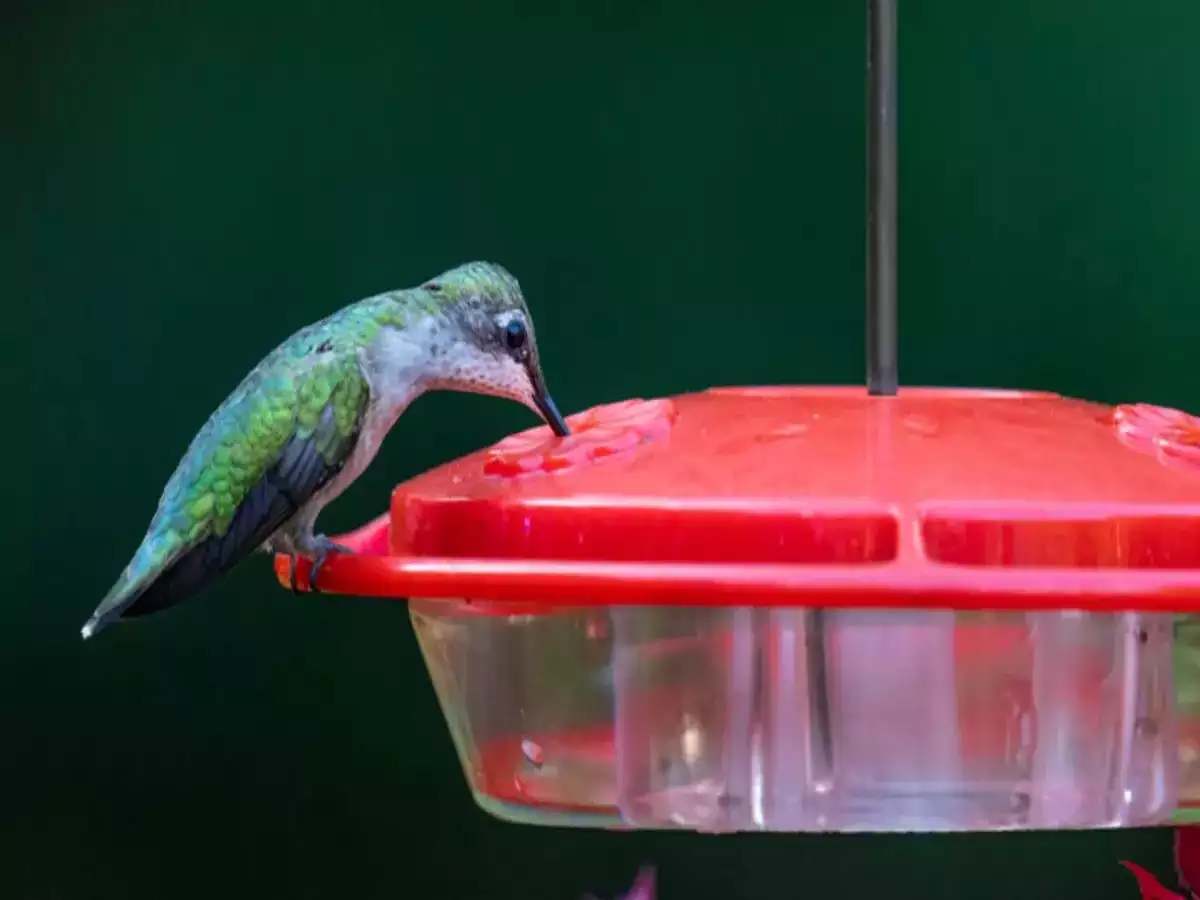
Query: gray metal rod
{"points": [[882, 77]]}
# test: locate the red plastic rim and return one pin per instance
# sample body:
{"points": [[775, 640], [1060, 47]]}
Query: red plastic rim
{"points": [[804, 496]]}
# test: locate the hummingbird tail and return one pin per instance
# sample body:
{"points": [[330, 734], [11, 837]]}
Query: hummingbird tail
{"points": [[149, 583], [167, 570], [122, 594]]}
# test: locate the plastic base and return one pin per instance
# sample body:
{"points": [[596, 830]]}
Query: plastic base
{"points": [[726, 719]]}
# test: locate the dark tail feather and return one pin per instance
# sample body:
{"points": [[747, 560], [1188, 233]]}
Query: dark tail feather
{"points": [[121, 596], [145, 588], [159, 578]]}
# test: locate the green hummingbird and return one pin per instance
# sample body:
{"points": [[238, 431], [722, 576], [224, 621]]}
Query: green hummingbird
{"points": [[309, 418]]}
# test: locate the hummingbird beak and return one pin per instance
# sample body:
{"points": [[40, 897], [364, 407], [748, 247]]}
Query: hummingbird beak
{"points": [[550, 413], [545, 405]]}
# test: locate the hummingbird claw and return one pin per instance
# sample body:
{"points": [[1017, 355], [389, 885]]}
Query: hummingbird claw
{"points": [[323, 546], [314, 572]]}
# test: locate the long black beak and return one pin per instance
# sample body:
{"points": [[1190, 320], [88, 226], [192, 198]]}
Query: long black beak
{"points": [[545, 405]]}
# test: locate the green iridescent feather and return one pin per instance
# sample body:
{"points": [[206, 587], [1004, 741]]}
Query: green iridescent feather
{"points": [[286, 396], [283, 397]]}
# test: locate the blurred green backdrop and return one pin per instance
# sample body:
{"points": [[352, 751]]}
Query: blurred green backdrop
{"points": [[679, 187]]}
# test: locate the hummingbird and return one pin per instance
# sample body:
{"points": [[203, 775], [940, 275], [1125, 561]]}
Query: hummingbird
{"points": [[310, 418]]}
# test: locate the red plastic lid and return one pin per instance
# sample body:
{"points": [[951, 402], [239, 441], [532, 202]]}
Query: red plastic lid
{"points": [[806, 496]]}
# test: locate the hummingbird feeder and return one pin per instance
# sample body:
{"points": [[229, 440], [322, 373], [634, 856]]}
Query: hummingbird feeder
{"points": [[814, 608]]}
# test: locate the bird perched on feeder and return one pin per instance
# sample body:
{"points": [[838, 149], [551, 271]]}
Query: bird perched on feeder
{"points": [[306, 422]]}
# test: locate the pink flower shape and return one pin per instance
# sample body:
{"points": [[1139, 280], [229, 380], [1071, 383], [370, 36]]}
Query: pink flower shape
{"points": [[596, 433], [1173, 437]]}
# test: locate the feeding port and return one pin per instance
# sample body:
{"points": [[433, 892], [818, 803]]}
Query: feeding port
{"points": [[810, 609]]}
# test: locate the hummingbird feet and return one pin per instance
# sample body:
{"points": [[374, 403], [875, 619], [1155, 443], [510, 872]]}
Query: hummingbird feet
{"points": [[317, 547]]}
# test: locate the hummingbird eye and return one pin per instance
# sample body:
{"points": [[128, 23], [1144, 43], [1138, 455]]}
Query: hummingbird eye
{"points": [[515, 334]]}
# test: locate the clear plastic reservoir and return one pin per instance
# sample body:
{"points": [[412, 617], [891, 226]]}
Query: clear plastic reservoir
{"points": [[719, 718]]}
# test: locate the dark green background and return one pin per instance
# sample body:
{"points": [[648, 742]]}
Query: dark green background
{"points": [[679, 187]]}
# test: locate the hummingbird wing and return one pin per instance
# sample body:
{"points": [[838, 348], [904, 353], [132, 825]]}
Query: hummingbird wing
{"points": [[280, 437]]}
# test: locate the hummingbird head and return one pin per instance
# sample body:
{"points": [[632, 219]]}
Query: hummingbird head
{"points": [[492, 349]]}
